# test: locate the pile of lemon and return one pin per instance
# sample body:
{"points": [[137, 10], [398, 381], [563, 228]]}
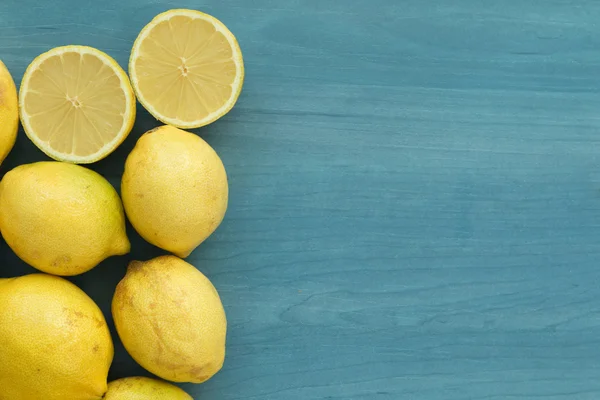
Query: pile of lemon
{"points": [[77, 105]]}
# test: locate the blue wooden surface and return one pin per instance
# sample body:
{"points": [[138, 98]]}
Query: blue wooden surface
{"points": [[415, 193]]}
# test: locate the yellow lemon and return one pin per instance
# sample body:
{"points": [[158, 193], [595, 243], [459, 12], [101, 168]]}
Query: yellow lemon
{"points": [[174, 189], [54, 341], [76, 104], [142, 388], [170, 319], [186, 68], [9, 112], [61, 218]]}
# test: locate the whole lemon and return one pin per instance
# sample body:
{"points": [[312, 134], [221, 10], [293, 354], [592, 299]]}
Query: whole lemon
{"points": [[170, 319], [142, 388], [61, 218], [174, 189], [9, 112], [54, 341]]}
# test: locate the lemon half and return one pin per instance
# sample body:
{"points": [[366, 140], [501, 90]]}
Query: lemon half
{"points": [[76, 104], [186, 68]]}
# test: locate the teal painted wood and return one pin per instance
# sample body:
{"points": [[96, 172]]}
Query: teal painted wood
{"points": [[415, 195]]}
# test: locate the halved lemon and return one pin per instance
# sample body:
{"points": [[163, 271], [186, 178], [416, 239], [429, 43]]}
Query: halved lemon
{"points": [[186, 68], [76, 104]]}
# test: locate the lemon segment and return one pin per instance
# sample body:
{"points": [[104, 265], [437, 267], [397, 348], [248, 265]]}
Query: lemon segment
{"points": [[186, 68], [76, 104]]}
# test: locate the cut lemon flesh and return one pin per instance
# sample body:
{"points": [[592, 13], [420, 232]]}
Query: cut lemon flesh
{"points": [[76, 104], [186, 68]]}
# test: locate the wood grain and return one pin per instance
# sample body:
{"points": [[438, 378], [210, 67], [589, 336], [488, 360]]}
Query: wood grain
{"points": [[415, 195]]}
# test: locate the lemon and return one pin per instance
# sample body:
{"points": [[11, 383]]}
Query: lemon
{"points": [[142, 388], [174, 189], [9, 112], [76, 104], [186, 68], [170, 319], [55, 344], [61, 218]]}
